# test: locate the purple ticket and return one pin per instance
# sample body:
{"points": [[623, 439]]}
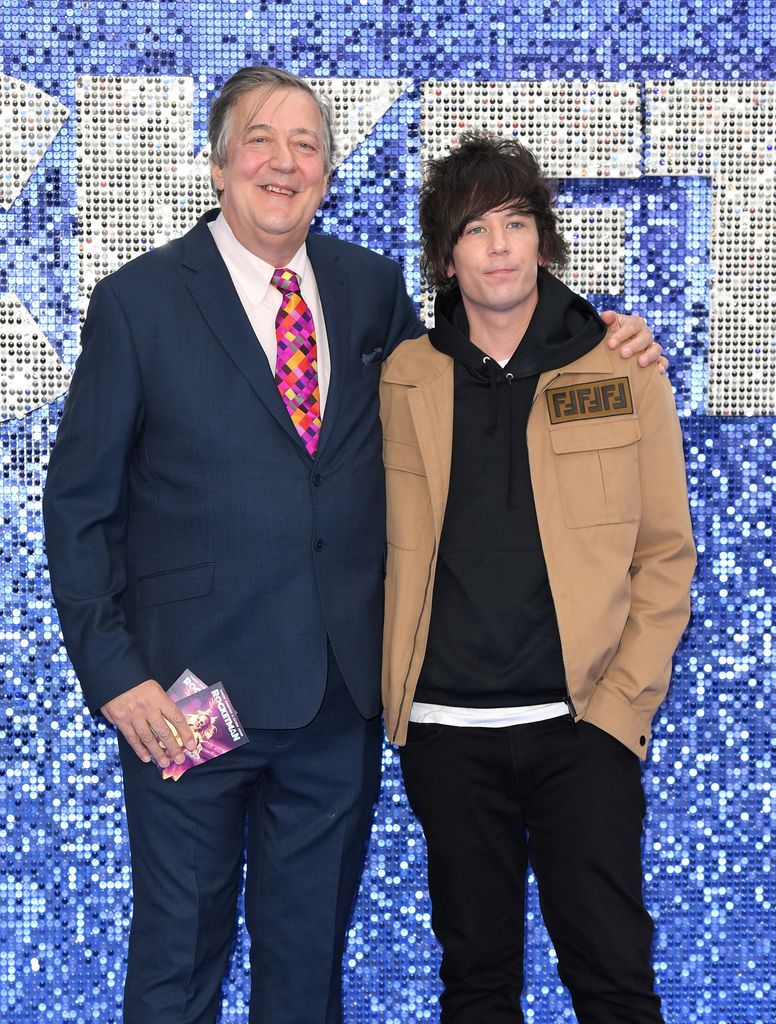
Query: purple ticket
{"points": [[186, 684], [216, 727]]}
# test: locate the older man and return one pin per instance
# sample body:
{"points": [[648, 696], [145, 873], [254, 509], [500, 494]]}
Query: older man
{"points": [[216, 500]]}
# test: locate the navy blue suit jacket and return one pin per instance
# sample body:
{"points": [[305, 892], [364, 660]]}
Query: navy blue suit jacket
{"points": [[186, 525]]}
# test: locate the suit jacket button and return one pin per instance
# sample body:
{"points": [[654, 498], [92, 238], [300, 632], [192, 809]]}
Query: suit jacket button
{"points": [[317, 479], [319, 544]]}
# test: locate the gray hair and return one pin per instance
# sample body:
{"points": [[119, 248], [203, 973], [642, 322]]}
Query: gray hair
{"points": [[219, 123]]}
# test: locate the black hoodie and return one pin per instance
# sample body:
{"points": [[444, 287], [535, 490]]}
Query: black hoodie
{"points": [[493, 638]]}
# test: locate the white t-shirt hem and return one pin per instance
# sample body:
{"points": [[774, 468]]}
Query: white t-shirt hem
{"points": [[488, 718]]}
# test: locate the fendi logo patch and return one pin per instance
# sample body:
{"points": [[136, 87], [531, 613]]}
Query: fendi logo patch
{"points": [[590, 401]]}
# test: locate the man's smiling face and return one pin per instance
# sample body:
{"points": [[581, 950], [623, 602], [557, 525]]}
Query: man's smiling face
{"points": [[273, 178]]}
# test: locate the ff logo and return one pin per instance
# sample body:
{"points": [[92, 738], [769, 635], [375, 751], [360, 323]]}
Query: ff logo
{"points": [[590, 401]]}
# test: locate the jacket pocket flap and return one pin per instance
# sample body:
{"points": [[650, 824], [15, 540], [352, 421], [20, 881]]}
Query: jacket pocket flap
{"points": [[603, 433], [403, 456], [175, 585]]}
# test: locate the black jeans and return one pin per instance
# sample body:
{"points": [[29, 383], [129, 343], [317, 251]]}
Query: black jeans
{"points": [[569, 798]]}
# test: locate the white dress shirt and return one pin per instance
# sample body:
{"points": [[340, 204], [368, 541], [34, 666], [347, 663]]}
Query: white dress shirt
{"points": [[261, 301]]}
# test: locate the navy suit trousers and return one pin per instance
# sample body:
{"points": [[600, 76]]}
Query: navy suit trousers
{"points": [[304, 798]]}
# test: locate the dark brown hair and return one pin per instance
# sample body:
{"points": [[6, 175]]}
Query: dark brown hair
{"points": [[481, 174]]}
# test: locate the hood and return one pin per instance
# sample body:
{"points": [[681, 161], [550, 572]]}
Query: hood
{"points": [[563, 328]]}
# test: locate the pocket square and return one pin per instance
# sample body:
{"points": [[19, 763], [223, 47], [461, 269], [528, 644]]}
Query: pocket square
{"points": [[372, 357]]}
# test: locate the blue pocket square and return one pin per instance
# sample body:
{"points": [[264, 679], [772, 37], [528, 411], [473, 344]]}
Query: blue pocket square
{"points": [[375, 356]]}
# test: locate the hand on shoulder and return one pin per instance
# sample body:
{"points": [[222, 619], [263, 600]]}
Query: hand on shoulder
{"points": [[633, 337]]}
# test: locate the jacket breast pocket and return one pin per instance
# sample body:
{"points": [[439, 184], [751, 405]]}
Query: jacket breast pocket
{"points": [[407, 493], [175, 585], [598, 471]]}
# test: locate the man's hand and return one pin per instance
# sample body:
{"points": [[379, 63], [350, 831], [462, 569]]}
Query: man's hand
{"points": [[632, 336], [140, 714]]}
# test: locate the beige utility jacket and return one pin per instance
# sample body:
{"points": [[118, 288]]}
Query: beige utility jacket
{"points": [[608, 478]]}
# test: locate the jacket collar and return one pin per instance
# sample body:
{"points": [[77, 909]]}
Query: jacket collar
{"points": [[418, 364], [600, 359], [199, 249]]}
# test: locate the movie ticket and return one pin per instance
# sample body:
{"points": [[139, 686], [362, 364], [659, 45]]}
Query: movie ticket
{"points": [[210, 716]]}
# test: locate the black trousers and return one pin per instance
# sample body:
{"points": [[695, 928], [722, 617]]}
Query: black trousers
{"points": [[568, 797]]}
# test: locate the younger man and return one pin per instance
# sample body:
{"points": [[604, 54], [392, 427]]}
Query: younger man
{"points": [[539, 560]]}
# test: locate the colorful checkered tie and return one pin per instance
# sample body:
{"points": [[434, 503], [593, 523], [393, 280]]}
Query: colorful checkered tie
{"points": [[296, 369]]}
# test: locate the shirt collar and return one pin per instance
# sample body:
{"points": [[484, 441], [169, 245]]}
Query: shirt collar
{"points": [[252, 273]]}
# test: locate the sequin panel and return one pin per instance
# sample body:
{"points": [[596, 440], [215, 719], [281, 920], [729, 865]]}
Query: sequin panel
{"points": [[659, 122]]}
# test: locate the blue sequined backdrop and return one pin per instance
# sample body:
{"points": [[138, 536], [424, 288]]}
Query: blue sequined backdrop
{"points": [[694, 195]]}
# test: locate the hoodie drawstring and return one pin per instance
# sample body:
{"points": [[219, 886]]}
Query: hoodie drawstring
{"points": [[510, 475], [490, 366]]}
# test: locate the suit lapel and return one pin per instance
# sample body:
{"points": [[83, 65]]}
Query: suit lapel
{"points": [[212, 289], [337, 303]]}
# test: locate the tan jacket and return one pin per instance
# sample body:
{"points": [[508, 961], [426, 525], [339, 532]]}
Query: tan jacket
{"points": [[611, 501]]}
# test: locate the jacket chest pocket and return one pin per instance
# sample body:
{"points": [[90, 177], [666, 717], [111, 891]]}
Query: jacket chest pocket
{"points": [[407, 494], [598, 471]]}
